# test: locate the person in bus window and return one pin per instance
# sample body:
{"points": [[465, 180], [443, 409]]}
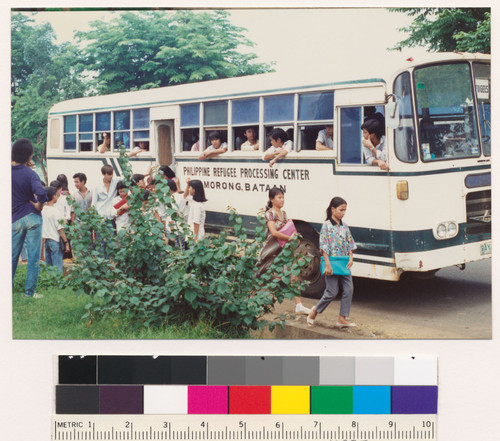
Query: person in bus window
{"points": [[374, 148], [216, 146], [106, 142], [142, 147], [325, 138], [280, 146], [252, 143]]}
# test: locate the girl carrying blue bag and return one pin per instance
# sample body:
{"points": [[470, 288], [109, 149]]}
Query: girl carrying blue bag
{"points": [[336, 244]]}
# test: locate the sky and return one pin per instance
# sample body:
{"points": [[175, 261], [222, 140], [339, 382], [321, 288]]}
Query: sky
{"points": [[306, 41]]}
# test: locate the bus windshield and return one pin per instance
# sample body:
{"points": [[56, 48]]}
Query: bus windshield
{"points": [[446, 116]]}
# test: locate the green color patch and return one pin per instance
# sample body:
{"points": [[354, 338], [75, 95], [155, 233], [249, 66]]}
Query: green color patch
{"points": [[331, 400]]}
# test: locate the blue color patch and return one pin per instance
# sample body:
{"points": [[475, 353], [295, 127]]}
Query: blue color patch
{"points": [[371, 399]]}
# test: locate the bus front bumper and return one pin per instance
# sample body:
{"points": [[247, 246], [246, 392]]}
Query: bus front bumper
{"points": [[424, 261]]}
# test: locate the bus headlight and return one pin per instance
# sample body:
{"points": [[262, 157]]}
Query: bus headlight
{"points": [[446, 230]]}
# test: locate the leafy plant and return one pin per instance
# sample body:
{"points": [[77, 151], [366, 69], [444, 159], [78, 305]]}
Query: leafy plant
{"points": [[142, 275]]}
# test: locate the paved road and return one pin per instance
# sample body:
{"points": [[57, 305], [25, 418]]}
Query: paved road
{"points": [[454, 305]]}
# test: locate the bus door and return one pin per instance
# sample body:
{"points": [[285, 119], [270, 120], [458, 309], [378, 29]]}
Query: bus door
{"points": [[366, 188], [164, 120]]}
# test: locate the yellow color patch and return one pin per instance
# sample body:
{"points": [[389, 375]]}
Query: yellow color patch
{"points": [[290, 400]]}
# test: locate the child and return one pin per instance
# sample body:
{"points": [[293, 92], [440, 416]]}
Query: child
{"points": [[216, 146], [53, 231], [335, 240], [280, 146], [120, 211], [170, 225], [275, 220], [195, 195]]}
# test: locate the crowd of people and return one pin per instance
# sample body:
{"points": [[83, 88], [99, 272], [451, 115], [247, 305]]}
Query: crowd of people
{"points": [[39, 214]]}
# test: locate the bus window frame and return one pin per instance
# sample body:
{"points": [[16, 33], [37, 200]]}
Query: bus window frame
{"points": [[475, 125]]}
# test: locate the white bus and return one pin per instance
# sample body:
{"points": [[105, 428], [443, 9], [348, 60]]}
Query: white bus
{"points": [[431, 209]]}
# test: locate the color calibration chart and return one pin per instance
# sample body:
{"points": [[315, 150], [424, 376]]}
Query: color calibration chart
{"points": [[245, 398]]}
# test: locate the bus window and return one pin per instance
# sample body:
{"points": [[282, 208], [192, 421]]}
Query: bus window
{"points": [[190, 138], [122, 130], [482, 81], [404, 136], [309, 135], [85, 129], [446, 114], [240, 138], [287, 128], [140, 126], [316, 106], [215, 113], [190, 127], [70, 133], [245, 115], [279, 108], [350, 135]]}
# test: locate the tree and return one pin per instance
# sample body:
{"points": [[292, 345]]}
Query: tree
{"points": [[447, 29], [43, 73], [160, 48]]}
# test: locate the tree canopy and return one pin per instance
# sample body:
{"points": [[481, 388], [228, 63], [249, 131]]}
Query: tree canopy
{"points": [[133, 51], [160, 48], [448, 29]]}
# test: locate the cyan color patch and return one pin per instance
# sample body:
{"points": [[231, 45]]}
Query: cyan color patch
{"points": [[371, 400]]}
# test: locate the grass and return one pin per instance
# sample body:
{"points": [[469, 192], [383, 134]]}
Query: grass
{"points": [[58, 315]]}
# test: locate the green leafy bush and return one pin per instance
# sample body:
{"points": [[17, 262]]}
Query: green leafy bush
{"points": [[142, 274]]}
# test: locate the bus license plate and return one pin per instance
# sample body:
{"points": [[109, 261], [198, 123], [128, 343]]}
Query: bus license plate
{"points": [[485, 248]]}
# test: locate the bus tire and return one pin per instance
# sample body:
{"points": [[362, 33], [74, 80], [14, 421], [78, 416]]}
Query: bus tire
{"points": [[309, 246]]}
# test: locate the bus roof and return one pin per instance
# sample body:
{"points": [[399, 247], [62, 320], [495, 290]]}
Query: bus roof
{"points": [[240, 87]]}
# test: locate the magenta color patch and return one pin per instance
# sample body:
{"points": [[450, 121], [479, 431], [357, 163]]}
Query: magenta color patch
{"points": [[207, 399]]}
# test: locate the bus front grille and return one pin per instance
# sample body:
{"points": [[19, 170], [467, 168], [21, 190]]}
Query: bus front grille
{"points": [[478, 205]]}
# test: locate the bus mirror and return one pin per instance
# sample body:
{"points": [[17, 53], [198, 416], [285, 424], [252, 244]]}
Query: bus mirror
{"points": [[392, 115]]}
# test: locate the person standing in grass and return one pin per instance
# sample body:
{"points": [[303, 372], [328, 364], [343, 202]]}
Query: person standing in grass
{"points": [[28, 196], [53, 231]]}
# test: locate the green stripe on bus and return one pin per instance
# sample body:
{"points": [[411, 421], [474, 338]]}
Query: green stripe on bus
{"points": [[370, 241]]}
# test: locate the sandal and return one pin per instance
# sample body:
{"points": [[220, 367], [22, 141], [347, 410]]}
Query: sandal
{"points": [[310, 321]]}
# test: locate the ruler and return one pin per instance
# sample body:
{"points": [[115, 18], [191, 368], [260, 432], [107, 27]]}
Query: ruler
{"points": [[243, 427]]}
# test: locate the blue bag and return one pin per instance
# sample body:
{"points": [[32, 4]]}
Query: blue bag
{"points": [[339, 265]]}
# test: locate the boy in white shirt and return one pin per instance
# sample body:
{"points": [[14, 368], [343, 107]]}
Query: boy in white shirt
{"points": [[120, 214], [53, 231]]}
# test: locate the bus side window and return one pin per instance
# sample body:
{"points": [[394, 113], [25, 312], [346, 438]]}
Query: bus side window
{"points": [[350, 135], [190, 138]]}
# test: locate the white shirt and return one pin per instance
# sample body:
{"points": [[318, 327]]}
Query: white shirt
{"points": [[288, 146], [102, 199], [380, 152], [122, 220], [324, 139], [50, 228], [63, 206], [247, 147], [211, 147], [197, 215]]}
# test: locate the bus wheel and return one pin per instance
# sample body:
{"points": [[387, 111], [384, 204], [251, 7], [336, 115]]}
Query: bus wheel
{"points": [[308, 247]]}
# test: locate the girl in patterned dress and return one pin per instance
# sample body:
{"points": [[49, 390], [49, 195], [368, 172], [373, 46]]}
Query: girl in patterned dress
{"points": [[335, 240], [275, 219]]}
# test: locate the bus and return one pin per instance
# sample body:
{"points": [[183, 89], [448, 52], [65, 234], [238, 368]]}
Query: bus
{"points": [[430, 210]]}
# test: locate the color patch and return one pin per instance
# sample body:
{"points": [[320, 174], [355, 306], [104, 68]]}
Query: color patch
{"points": [[371, 400], [250, 400], [416, 370], [301, 370], [77, 399], [374, 371], [167, 400], [336, 371], [189, 370], [290, 400], [134, 370], [226, 370], [414, 399], [263, 370], [121, 399], [207, 399], [77, 370], [331, 399]]}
